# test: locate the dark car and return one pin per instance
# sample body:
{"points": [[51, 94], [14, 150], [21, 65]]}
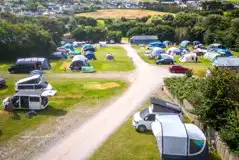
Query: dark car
{"points": [[24, 67], [177, 69], [2, 83], [164, 61]]}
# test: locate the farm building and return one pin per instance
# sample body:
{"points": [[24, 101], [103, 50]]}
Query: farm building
{"points": [[43, 61], [144, 39]]}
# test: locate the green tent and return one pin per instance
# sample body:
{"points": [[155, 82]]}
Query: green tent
{"points": [[211, 56], [76, 52], [87, 69]]}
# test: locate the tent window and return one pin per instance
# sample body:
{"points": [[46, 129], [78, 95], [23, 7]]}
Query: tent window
{"points": [[34, 99], [196, 146], [26, 87]]}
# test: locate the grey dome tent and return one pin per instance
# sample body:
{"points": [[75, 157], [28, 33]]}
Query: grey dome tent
{"points": [[184, 44], [44, 62], [90, 55], [78, 62], [177, 140]]}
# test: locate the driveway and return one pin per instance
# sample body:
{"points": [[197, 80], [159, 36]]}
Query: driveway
{"points": [[81, 142]]}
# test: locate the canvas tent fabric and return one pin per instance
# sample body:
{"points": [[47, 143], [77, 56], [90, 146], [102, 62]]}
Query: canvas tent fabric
{"points": [[143, 39], [58, 55], [184, 44], [169, 106], [68, 46], [90, 55], [44, 62], [214, 46], [226, 62], [191, 57], [174, 51], [88, 47], [223, 51], [211, 56], [196, 43], [157, 44], [177, 140], [157, 51], [78, 62]]}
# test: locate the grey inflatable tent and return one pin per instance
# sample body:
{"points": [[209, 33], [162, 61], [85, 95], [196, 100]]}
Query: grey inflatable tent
{"points": [[177, 140], [78, 62], [44, 62]]}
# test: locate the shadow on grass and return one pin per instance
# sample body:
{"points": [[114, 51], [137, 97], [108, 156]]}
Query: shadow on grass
{"points": [[147, 132], [51, 111]]}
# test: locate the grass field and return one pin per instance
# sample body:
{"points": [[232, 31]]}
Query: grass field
{"points": [[83, 92], [118, 13], [122, 61]]}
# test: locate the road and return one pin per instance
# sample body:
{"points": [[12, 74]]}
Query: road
{"points": [[81, 142]]}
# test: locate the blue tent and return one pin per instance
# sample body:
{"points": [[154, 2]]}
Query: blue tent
{"points": [[88, 47], [68, 46], [158, 51], [90, 55], [157, 44], [225, 51]]}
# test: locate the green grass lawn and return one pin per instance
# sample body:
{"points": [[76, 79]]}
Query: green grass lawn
{"points": [[83, 92], [100, 23], [125, 39], [122, 61]]}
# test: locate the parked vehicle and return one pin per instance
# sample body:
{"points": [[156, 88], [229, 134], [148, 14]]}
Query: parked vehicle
{"points": [[176, 140], [177, 69], [165, 61], [32, 100], [2, 83], [142, 120], [23, 67], [35, 82]]}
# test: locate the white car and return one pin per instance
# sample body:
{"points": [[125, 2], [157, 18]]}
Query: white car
{"points": [[142, 120]]}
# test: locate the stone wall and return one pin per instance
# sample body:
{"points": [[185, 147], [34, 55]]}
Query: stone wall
{"points": [[212, 136]]}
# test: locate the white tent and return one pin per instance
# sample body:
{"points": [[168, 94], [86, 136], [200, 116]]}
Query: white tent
{"points": [[174, 51], [166, 56], [191, 57], [158, 51], [177, 140], [102, 44]]}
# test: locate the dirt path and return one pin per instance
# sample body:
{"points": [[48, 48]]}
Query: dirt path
{"points": [[80, 143]]}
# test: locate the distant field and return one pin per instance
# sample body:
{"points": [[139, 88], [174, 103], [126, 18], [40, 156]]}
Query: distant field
{"points": [[118, 13]]}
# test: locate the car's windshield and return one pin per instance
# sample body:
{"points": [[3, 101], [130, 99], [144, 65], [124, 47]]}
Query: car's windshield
{"points": [[144, 113]]}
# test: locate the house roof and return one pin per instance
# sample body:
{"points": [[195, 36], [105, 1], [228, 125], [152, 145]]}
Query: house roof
{"points": [[226, 62], [169, 105]]}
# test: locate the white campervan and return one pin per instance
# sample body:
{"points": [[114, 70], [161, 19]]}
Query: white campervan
{"points": [[32, 100], [142, 120], [35, 82]]}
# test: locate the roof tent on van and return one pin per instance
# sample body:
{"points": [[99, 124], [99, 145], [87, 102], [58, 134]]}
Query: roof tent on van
{"points": [[163, 106], [44, 62], [177, 140]]}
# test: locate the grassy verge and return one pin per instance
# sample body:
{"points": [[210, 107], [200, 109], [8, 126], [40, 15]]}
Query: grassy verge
{"points": [[84, 92]]}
